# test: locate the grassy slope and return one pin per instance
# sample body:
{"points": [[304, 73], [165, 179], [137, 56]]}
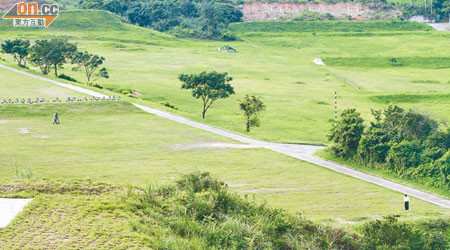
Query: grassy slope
{"points": [[141, 149], [276, 66], [129, 146], [13, 87], [70, 215]]}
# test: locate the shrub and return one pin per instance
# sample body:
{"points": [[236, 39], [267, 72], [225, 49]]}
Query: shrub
{"points": [[199, 212], [95, 85], [404, 155], [167, 104], [346, 133], [389, 234], [68, 78]]}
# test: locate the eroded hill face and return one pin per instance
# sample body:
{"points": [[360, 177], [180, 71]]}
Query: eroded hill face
{"points": [[5, 5], [272, 11]]}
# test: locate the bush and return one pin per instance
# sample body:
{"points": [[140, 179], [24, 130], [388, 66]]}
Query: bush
{"points": [[314, 16], [95, 85], [389, 234], [346, 133], [68, 78], [167, 104], [199, 212], [405, 143]]}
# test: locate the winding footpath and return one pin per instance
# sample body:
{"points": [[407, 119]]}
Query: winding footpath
{"points": [[301, 152]]}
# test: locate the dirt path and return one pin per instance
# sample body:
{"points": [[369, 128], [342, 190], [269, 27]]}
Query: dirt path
{"points": [[301, 152]]}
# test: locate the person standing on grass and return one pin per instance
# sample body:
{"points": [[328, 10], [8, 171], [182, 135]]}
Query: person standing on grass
{"points": [[56, 118], [406, 199]]}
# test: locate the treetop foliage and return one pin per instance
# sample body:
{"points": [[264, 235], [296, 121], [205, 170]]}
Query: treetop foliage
{"points": [[185, 18], [208, 86], [407, 143]]}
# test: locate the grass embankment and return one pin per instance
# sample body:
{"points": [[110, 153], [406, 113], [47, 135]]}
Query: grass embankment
{"points": [[115, 142], [277, 66], [68, 214], [195, 212]]}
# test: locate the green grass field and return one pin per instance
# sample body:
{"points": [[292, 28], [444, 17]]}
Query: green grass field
{"points": [[128, 146], [114, 142], [276, 66]]}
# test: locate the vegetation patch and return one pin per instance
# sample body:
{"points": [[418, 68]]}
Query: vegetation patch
{"points": [[70, 214], [326, 26], [425, 81], [405, 143], [386, 62], [410, 98], [68, 78], [30, 188]]}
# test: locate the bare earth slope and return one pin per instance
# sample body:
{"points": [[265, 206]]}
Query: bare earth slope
{"points": [[271, 11]]}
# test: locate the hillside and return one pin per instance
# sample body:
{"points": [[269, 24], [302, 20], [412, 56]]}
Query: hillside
{"points": [[91, 25]]}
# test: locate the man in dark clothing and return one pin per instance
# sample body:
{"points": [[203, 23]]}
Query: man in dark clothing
{"points": [[56, 118]]}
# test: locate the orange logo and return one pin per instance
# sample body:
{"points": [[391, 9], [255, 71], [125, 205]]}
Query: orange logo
{"points": [[32, 15]]}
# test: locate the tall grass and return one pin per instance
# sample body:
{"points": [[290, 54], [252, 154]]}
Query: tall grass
{"points": [[198, 212]]}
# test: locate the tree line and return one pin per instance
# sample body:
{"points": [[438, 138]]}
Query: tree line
{"points": [[51, 55], [185, 18], [406, 143]]}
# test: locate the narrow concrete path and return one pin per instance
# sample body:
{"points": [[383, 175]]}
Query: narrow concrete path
{"points": [[301, 152], [9, 208]]}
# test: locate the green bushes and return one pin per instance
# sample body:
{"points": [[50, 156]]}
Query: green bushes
{"points": [[167, 104], [199, 212], [314, 16], [326, 26], [346, 134], [406, 143], [388, 233], [410, 98], [68, 78], [95, 85]]}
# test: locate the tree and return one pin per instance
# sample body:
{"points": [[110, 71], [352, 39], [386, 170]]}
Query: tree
{"points": [[19, 49], [208, 86], [90, 64], [59, 52], [346, 133], [38, 55], [251, 107]]}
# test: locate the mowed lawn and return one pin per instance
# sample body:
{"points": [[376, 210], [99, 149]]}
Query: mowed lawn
{"points": [[14, 86], [278, 67], [115, 142]]}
